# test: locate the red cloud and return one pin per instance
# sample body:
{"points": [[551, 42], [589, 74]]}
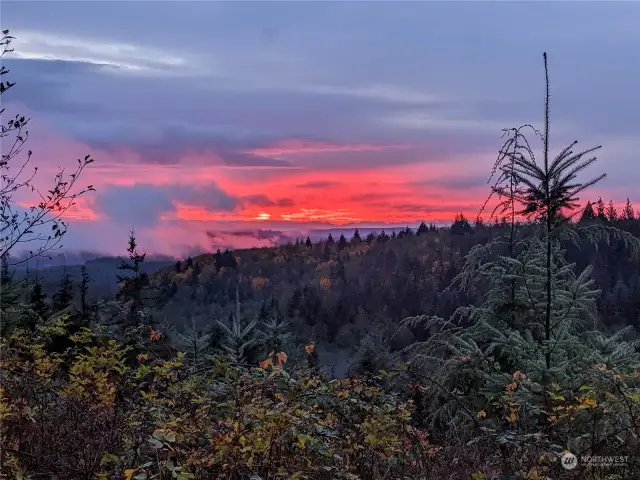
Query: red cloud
{"points": [[434, 190]]}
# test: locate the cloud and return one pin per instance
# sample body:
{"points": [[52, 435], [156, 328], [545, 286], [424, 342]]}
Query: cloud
{"points": [[369, 196], [338, 216], [122, 57], [416, 120], [135, 206], [380, 93], [318, 184], [297, 146], [253, 238], [143, 205], [261, 200], [455, 182]]}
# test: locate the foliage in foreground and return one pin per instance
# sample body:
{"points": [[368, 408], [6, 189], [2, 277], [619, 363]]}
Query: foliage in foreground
{"points": [[85, 413], [74, 406]]}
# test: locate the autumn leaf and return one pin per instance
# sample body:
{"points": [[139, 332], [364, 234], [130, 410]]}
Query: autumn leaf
{"points": [[153, 335], [129, 473], [309, 348], [266, 363], [587, 401], [325, 283], [519, 375], [482, 414], [511, 417], [533, 474], [281, 358], [555, 397], [142, 356]]}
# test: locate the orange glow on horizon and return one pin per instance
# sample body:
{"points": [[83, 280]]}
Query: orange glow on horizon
{"points": [[315, 193]]}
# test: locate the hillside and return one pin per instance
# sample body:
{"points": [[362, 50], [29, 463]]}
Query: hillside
{"points": [[101, 270], [350, 297]]}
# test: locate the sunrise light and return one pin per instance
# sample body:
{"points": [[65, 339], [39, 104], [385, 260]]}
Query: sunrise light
{"points": [[262, 216]]}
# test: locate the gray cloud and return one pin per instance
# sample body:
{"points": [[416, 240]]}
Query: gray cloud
{"points": [[142, 205], [261, 200], [259, 234], [224, 239], [135, 206]]}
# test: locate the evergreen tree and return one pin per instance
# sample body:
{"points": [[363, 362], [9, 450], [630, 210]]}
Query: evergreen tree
{"points": [[330, 240], [356, 237], [326, 254], [405, 232], [422, 228], [370, 238], [228, 260], [63, 297], [481, 361], [600, 209], [342, 242], [195, 273], [37, 300], [295, 303], [611, 213], [588, 215], [307, 242], [9, 296], [239, 339], [627, 212], [313, 361], [132, 283], [84, 290], [5, 275], [195, 344], [338, 272], [217, 260], [274, 334], [461, 226]]}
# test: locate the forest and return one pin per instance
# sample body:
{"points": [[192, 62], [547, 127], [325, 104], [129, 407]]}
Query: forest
{"points": [[486, 349]]}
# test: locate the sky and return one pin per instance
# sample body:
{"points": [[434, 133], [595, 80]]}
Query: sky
{"points": [[239, 124]]}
